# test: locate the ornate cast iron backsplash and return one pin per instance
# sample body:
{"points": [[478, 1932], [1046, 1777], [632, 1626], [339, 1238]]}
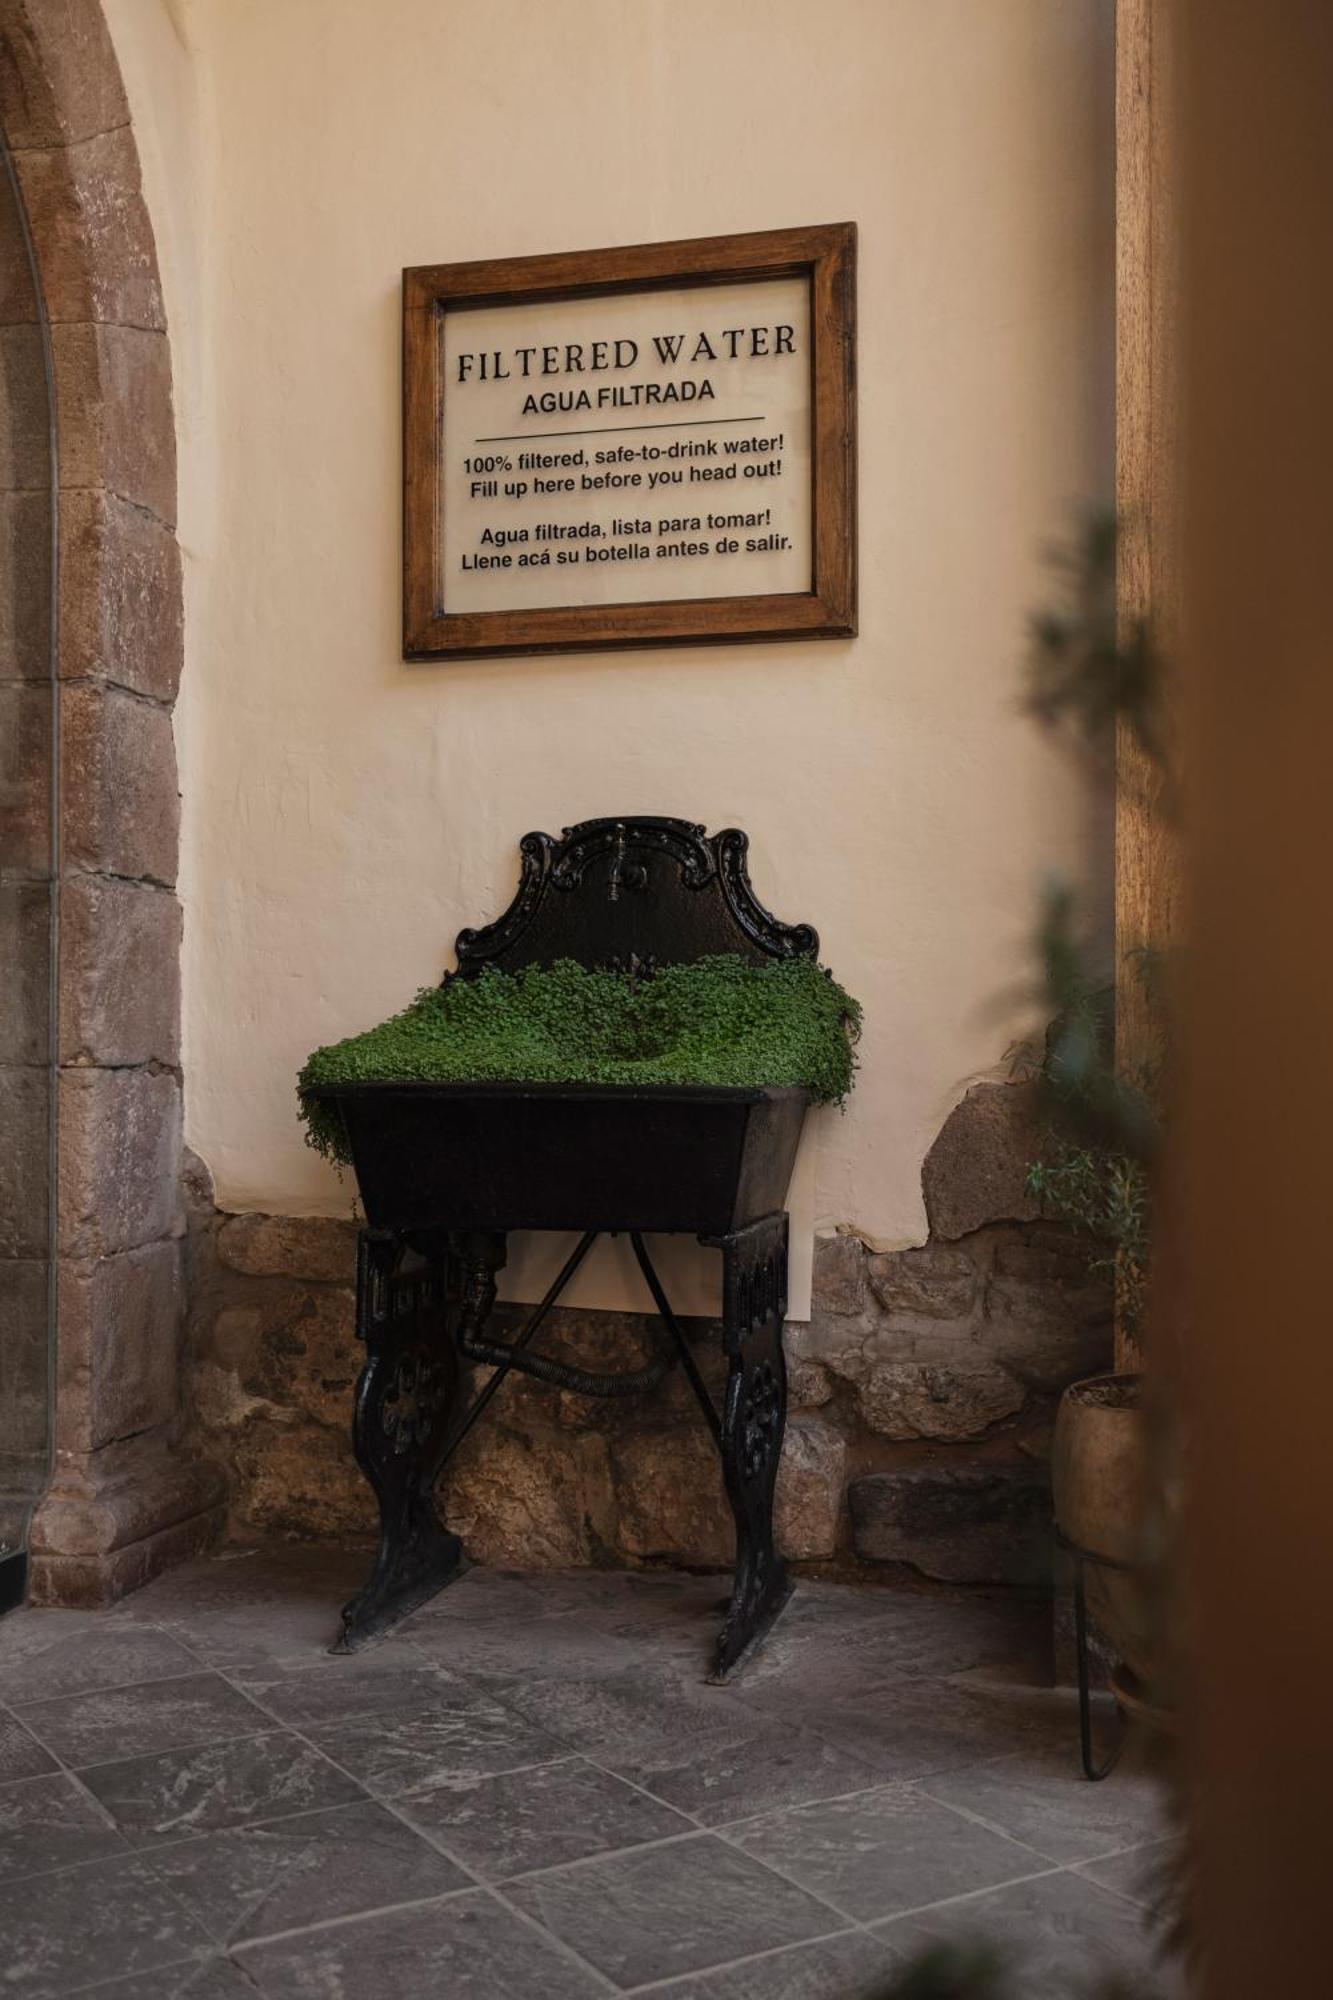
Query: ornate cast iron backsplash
{"points": [[632, 894]]}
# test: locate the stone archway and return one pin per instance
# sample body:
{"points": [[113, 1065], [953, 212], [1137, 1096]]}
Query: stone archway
{"points": [[123, 1498]]}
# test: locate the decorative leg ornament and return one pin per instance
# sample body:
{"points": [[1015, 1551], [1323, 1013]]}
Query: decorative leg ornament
{"points": [[400, 1427], [754, 1417]]}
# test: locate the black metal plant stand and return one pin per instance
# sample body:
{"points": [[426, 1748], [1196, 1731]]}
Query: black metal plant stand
{"points": [[1093, 1769], [445, 1171]]}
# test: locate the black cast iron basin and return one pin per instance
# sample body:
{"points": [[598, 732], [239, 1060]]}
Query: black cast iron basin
{"points": [[706, 1159]]}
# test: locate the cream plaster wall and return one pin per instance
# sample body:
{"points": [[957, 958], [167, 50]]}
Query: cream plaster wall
{"points": [[346, 813]]}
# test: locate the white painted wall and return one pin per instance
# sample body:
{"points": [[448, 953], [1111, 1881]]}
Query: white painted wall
{"points": [[346, 813]]}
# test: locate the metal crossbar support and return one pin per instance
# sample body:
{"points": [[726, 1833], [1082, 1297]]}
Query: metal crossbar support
{"points": [[503, 1364], [477, 1345], [677, 1332], [404, 1430]]}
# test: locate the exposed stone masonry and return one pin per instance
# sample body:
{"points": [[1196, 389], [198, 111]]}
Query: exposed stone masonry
{"points": [[922, 1391], [124, 1498]]}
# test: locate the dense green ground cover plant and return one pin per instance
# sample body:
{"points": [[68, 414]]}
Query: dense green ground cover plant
{"points": [[719, 1021]]}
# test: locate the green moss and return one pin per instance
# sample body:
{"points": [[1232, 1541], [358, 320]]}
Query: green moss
{"points": [[721, 1020]]}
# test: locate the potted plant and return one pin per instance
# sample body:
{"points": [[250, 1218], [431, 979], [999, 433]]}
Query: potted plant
{"points": [[1099, 1453]]}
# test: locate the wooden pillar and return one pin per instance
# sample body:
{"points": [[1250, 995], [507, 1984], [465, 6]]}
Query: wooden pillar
{"points": [[1147, 447]]}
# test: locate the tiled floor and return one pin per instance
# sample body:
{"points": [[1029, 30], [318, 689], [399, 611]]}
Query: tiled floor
{"points": [[530, 1790]]}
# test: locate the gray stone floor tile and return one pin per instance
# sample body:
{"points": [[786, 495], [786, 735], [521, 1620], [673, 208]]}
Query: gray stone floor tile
{"points": [[181, 1792], [470, 1948], [207, 1977], [21, 1755], [496, 1652], [1060, 1934], [609, 1597], [227, 1640], [644, 1593], [388, 1676], [538, 1733], [625, 1715], [1047, 1802], [912, 1728], [97, 1656], [108, 1919], [272, 1604], [538, 1593], [493, 1593], [932, 1638], [51, 1823], [94, 1728], [410, 1749], [884, 1851], [816, 1600], [253, 1881], [1144, 1874], [850, 1967], [716, 1780], [658, 1911], [219, 1979], [282, 1577], [216, 1979], [505, 1825], [795, 1679], [565, 1624], [685, 1646], [663, 1616], [29, 1629], [845, 1655]]}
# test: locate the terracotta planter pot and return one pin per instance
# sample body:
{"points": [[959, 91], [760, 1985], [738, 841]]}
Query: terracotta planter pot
{"points": [[1099, 1475]]}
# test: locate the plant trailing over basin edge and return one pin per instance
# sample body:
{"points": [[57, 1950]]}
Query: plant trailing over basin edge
{"points": [[719, 1021]]}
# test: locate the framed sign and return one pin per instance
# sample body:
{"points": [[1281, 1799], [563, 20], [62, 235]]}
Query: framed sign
{"points": [[646, 446]]}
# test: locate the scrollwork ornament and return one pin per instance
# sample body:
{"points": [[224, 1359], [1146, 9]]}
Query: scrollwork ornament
{"points": [[410, 1408], [759, 1421]]}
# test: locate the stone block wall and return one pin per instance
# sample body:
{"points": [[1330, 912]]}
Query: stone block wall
{"points": [[123, 1497], [26, 903], [922, 1391]]}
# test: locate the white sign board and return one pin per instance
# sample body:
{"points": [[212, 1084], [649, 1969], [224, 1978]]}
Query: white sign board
{"points": [[628, 449]]}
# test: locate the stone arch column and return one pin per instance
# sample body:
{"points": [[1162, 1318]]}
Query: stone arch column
{"points": [[124, 1499]]}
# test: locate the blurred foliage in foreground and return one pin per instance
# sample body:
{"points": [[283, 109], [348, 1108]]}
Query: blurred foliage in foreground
{"points": [[1089, 674], [1104, 1125], [975, 1972], [954, 1972], [1093, 676]]}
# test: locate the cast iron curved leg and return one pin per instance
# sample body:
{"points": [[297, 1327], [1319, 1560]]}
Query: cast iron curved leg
{"points": [[404, 1405], [754, 1416]]}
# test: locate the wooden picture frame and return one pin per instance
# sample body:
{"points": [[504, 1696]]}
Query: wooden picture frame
{"points": [[824, 256]]}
